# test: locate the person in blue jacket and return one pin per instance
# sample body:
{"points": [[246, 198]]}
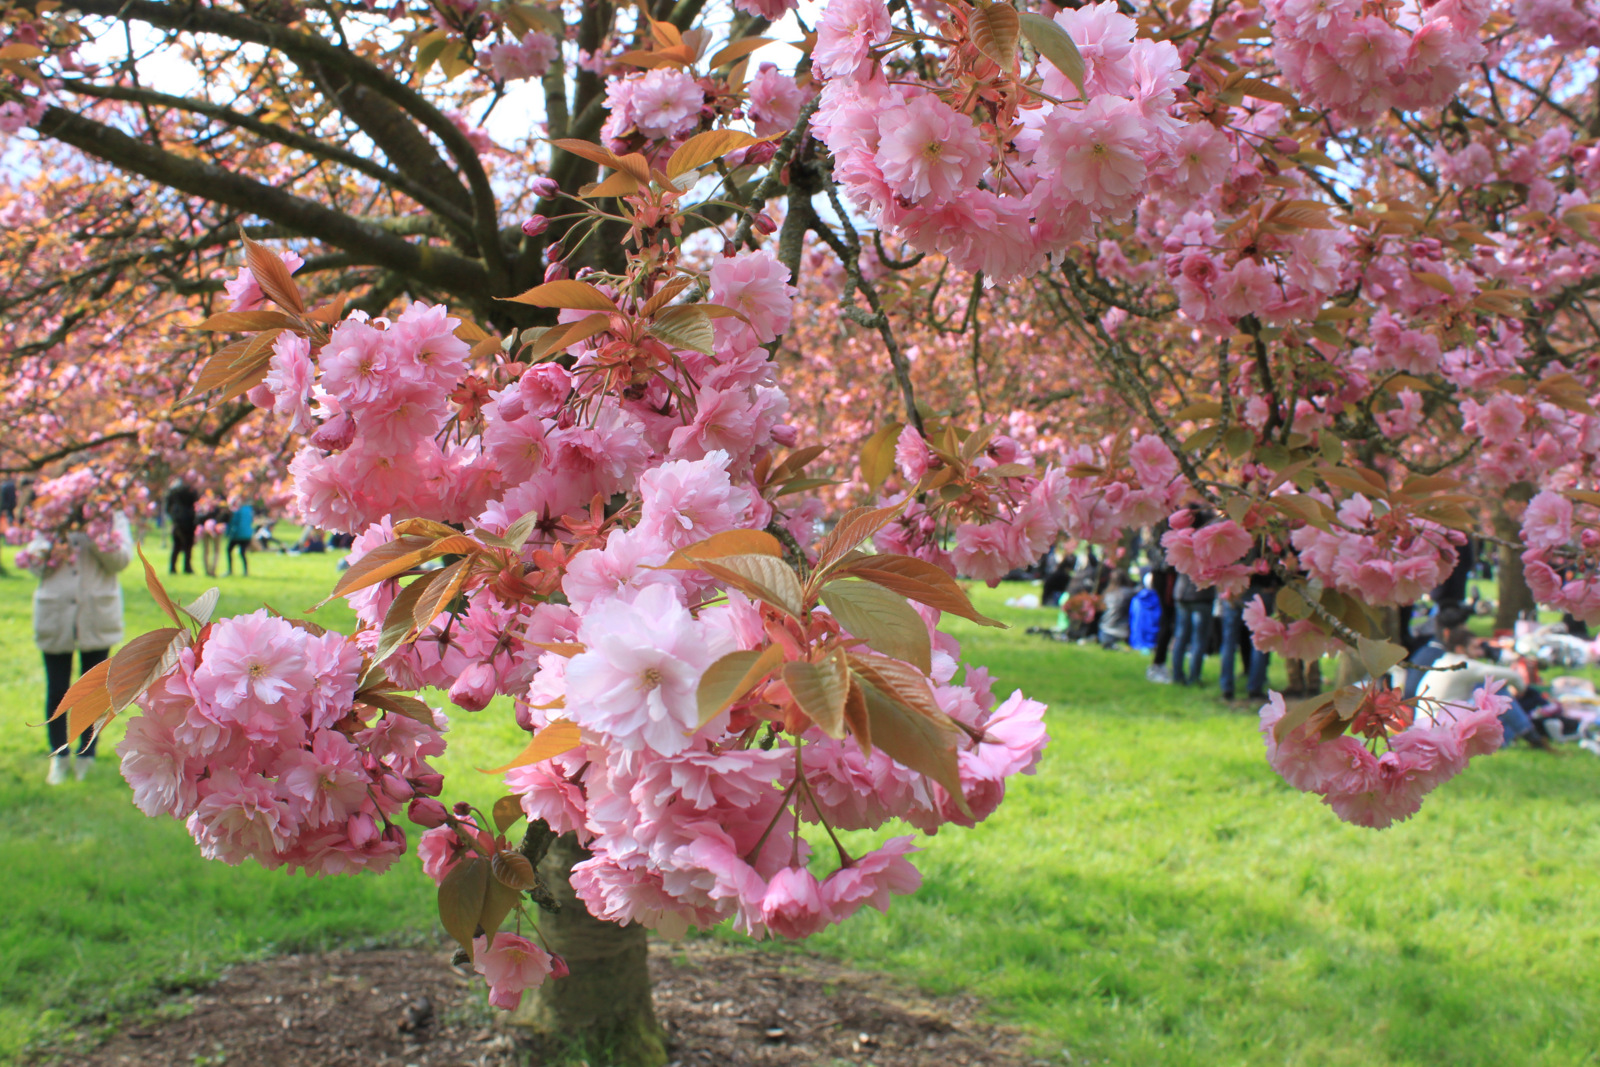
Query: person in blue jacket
{"points": [[1144, 616], [241, 528]]}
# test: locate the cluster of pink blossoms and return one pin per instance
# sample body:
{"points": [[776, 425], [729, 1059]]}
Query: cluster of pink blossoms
{"points": [[81, 503], [1558, 562], [1209, 554], [659, 105], [1285, 278], [1570, 24], [926, 173], [674, 812], [689, 828], [256, 740], [1348, 56], [528, 58], [1377, 556], [1372, 790], [374, 402], [1093, 507], [688, 822], [1300, 639]]}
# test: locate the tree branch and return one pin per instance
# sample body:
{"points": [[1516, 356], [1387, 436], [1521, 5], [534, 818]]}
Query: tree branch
{"points": [[464, 278]]}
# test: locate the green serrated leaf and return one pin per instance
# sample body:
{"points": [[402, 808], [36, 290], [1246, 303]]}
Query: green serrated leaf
{"points": [[1056, 45], [882, 619], [685, 326], [820, 689], [732, 676]]}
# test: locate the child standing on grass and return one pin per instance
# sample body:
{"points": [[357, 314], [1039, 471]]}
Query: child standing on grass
{"points": [[77, 608]]}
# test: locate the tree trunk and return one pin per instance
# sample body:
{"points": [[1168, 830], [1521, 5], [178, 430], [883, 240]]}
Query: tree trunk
{"points": [[602, 1010], [1515, 596]]}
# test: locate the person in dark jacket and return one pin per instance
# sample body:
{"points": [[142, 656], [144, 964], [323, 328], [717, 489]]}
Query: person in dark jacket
{"points": [[1057, 577], [1162, 580], [181, 501]]}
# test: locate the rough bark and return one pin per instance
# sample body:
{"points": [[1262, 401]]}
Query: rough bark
{"points": [[1515, 596], [602, 1010]]}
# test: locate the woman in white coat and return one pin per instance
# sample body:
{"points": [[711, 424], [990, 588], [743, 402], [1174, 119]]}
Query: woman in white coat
{"points": [[77, 608]]}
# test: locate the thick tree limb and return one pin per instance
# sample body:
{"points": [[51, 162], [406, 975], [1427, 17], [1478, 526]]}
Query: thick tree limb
{"points": [[464, 278], [310, 50], [452, 212]]}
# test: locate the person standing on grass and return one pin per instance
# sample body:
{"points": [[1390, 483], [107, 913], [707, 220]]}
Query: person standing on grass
{"points": [[181, 501], [77, 608], [1193, 608], [241, 528], [213, 520], [1163, 581]]}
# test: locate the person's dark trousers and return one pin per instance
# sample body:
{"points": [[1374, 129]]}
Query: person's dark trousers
{"points": [[1163, 581], [1194, 619], [182, 545], [244, 547], [57, 680]]}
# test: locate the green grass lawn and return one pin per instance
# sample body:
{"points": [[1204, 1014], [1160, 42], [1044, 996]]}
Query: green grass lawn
{"points": [[1154, 896]]}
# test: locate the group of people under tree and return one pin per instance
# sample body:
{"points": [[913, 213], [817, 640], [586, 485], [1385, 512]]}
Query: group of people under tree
{"points": [[203, 516], [1156, 608]]}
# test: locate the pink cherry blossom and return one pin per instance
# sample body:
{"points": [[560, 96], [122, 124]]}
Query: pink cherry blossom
{"points": [[926, 150], [638, 678], [511, 965], [1547, 522], [870, 879], [793, 906]]}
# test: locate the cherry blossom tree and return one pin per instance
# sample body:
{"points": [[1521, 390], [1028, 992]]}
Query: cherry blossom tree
{"points": [[677, 423]]}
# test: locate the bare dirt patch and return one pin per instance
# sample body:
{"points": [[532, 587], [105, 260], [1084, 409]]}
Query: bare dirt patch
{"points": [[721, 1005]]}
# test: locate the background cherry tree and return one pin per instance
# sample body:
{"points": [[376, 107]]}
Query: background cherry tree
{"points": [[946, 280]]}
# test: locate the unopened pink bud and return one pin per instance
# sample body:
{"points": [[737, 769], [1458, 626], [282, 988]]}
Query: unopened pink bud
{"points": [[544, 188], [427, 812], [430, 784], [757, 154], [556, 271], [397, 788], [763, 223], [558, 967], [525, 718], [474, 688], [534, 225]]}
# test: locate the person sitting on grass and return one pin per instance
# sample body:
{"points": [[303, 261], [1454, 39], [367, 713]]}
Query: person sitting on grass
{"points": [[1458, 671], [310, 541], [1115, 620]]}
